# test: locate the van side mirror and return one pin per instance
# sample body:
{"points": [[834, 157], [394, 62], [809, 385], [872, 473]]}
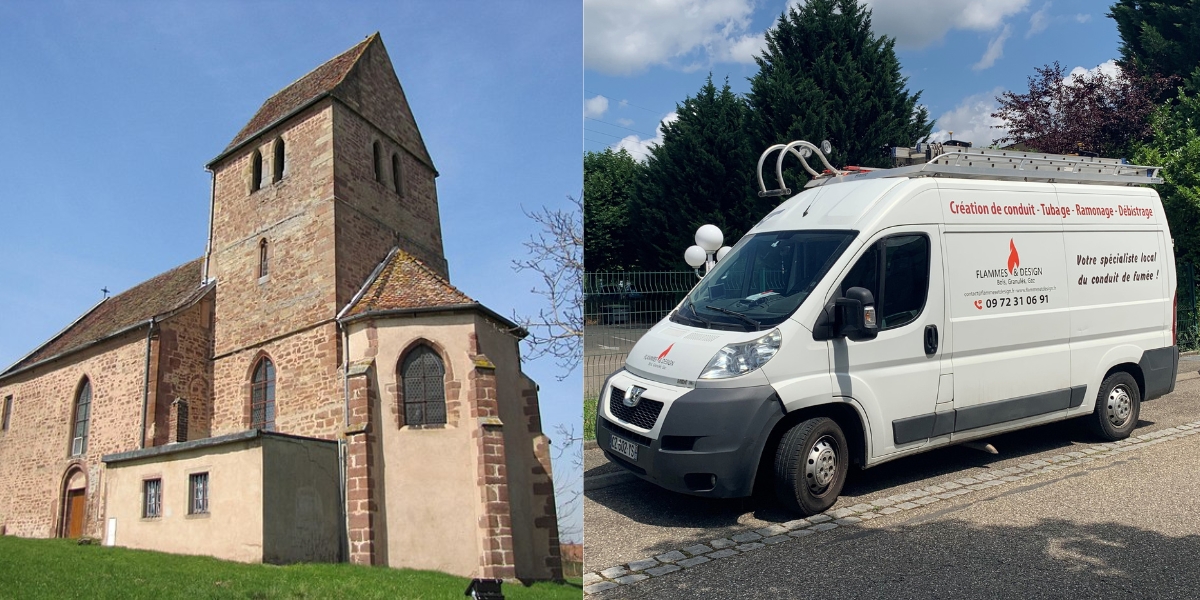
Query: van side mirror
{"points": [[855, 315]]}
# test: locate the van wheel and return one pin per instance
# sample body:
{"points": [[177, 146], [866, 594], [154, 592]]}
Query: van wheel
{"points": [[1117, 407], [810, 466]]}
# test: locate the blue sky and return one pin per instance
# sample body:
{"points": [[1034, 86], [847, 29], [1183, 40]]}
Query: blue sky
{"points": [[644, 57], [109, 112]]}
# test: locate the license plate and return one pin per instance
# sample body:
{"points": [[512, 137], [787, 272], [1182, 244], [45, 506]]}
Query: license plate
{"points": [[623, 447]]}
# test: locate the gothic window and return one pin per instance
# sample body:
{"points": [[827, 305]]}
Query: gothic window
{"points": [[424, 388], [397, 181], [256, 171], [83, 412], [279, 165], [377, 158], [262, 396], [264, 265]]}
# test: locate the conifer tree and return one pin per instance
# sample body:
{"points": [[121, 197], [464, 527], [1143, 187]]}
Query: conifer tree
{"points": [[609, 185], [703, 172], [825, 76], [1158, 37]]}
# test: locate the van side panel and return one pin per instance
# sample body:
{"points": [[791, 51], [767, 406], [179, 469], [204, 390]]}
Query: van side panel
{"points": [[1117, 286], [1011, 325]]}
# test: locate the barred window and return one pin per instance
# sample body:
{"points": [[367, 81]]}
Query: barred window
{"points": [[262, 396], [151, 498], [198, 494], [83, 413], [424, 391]]}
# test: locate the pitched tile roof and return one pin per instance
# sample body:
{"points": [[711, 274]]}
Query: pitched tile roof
{"points": [[151, 298], [317, 82], [404, 282]]}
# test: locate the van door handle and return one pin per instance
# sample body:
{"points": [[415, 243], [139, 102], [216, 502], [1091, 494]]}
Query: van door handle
{"points": [[931, 340]]}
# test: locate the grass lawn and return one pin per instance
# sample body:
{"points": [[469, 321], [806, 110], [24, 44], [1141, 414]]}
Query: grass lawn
{"points": [[589, 418], [63, 569]]}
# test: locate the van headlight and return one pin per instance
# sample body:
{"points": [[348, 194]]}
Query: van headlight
{"points": [[739, 359]]}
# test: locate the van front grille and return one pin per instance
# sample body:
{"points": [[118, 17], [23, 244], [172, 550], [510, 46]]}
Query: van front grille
{"points": [[644, 415]]}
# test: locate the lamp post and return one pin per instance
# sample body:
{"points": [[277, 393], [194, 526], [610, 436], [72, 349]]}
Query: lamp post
{"points": [[708, 249]]}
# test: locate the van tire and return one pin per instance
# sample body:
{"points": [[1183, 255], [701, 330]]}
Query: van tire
{"points": [[1117, 407], [811, 462]]}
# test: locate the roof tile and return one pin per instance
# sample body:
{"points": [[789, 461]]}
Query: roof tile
{"points": [[319, 81], [151, 298], [405, 282]]}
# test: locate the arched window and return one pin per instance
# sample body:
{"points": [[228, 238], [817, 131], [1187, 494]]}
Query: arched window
{"points": [[377, 152], [264, 265], [262, 396], [256, 171], [397, 181], [83, 412], [279, 165], [424, 377]]}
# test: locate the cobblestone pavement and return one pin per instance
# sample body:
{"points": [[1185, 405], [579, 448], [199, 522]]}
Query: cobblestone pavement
{"points": [[639, 536]]}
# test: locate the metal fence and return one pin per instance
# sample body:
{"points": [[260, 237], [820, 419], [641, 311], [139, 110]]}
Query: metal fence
{"points": [[1187, 326], [618, 308]]}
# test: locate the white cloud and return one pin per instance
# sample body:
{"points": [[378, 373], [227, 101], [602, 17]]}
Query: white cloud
{"points": [[995, 50], [972, 120], [625, 37], [1082, 18], [595, 107], [918, 23], [640, 148], [1109, 68], [1039, 21], [623, 122], [623, 103], [745, 48]]}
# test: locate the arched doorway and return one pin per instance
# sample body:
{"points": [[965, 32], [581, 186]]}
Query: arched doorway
{"points": [[74, 503]]}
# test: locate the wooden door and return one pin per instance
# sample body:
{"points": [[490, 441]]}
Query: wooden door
{"points": [[76, 500]]}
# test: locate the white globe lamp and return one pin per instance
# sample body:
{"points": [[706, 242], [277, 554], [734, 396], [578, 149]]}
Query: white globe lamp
{"points": [[695, 256], [709, 238], [722, 252]]}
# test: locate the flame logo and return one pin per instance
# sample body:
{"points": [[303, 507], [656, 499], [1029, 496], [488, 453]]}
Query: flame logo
{"points": [[1014, 260], [664, 354]]}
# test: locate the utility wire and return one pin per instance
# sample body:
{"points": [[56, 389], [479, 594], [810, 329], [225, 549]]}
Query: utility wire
{"points": [[620, 126], [627, 103]]}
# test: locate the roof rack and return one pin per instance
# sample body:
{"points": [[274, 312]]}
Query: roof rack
{"points": [[972, 163]]}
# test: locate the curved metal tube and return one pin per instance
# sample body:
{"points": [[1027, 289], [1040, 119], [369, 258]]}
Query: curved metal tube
{"points": [[810, 146], [762, 158]]}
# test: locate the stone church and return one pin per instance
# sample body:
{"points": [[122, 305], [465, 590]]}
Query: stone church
{"points": [[312, 388]]}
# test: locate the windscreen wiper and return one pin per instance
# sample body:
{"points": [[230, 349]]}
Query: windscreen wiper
{"points": [[757, 326], [692, 305]]}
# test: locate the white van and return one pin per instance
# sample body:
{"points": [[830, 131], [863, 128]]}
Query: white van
{"points": [[882, 314]]}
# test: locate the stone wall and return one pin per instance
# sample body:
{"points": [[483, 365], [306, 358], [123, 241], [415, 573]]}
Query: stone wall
{"points": [[182, 368], [309, 398], [372, 216], [35, 451], [295, 217]]}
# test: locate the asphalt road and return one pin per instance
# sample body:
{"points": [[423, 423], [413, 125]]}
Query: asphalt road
{"points": [[1131, 523]]}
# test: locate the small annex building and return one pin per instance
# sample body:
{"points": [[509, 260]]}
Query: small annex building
{"points": [[312, 388]]}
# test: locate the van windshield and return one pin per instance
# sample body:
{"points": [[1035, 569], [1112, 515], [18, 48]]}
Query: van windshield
{"points": [[763, 279]]}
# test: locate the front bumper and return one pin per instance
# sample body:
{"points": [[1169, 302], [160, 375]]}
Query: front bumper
{"points": [[707, 441]]}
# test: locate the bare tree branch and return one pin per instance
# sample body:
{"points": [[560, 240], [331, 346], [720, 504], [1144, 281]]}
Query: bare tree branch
{"points": [[569, 491], [556, 254]]}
